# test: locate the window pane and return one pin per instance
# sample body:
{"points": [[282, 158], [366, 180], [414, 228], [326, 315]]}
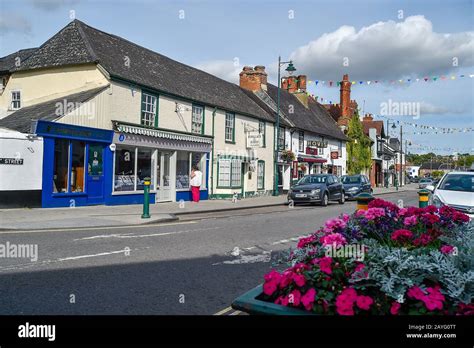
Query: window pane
{"points": [[236, 173], [148, 109], [124, 169], [95, 160], [229, 127], [197, 119], [77, 166], [199, 159], [61, 165], [143, 167], [166, 170], [182, 170], [260, 175], [224, 173]]}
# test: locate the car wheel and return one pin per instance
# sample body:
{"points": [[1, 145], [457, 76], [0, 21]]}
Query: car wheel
{"points": [[324, 200], [343, 198]]}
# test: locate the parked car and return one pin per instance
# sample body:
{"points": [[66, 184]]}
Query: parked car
{"points": [[456, 189], [317, 188], [425, 182], [355, 184]]}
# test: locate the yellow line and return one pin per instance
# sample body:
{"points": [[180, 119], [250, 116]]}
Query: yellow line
{"points": [[223, 311]]}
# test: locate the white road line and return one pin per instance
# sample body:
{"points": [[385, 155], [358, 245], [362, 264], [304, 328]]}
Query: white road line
{"points": [[72, 229], [93, 255]]}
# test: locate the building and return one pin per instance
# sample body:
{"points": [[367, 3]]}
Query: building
{"points": [[343, 112], [413, 171], [135, 114], [380, 150], [306, 127]]}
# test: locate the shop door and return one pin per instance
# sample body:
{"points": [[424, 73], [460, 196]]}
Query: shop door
{"points": [[163, 177], [95, 174]]}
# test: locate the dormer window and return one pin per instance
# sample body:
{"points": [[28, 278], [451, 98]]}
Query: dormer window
{"points": [[16, 100]]}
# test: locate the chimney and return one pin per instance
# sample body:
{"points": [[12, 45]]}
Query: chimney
{"points": [[302, 83], [345, 101], [253, 79], [368, 117], [292, 84]]}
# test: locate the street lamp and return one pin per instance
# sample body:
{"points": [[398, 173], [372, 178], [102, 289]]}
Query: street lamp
{"points": [[290, 69], [388, 144]]}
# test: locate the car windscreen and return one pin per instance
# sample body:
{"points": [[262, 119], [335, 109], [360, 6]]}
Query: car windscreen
{"points": [[458, 182], [313, 179], [426, 180], [351, 179]]}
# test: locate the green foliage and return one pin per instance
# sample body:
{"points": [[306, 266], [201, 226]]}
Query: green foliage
{"points": [[437, 173], [359, 157]]}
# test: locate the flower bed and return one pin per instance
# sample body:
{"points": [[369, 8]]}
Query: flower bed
{"points": [[384, 260]]}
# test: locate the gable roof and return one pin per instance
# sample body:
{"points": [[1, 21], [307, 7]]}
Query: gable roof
{"points": [[378, 125], [7, 63], [315, 118], [78, 43], [21, 120]]}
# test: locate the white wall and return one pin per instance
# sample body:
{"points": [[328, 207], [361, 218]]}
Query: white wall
{"points": [[27, 176]]}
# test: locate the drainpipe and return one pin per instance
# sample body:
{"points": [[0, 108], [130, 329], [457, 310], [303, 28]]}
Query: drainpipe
{"points": [[212, 150]]}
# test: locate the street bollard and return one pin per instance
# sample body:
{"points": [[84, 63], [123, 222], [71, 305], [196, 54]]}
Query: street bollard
{"points": [[146, 198], [423, 198], [363, 200]]}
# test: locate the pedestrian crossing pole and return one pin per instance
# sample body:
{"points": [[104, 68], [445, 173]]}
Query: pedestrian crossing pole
{"points": [[146, 198], [363, 200], [423, 198]]}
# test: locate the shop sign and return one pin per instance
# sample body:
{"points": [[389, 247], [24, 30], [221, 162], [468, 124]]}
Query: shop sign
{"points": [[311, 151], [295, 169], [334, 154], [12, 161], [321, 144], [254, 139]]}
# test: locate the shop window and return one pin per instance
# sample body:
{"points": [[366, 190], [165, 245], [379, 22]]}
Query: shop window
{"points": [[197, 122], [77, 166], [260, 175], [182, 170], [230, 174], [149, 110], [199, 159], [229, 127], [61, 165], [144, 167], [124, 169]]}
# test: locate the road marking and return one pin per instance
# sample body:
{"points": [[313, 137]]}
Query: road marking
{"points": [[93, 255], [221, 312], [129, 235], [99, 228], [235, 313]]}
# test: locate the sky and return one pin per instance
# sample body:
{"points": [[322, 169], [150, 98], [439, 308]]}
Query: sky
{"points": [[371, 40]]}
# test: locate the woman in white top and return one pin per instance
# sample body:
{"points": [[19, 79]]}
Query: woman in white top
{"points": [[196, 180]]}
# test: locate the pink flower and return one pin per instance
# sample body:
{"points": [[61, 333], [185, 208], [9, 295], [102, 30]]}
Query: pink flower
{"points": [[325, 264], [345, 302], [334, 224], [299, 279], [447, 249], [286, 279], [434, 299], [359, 268], [345, 217], [401, 235], [373, 213], [305, 241], [410, 221], [294, 298], [415, 292], [272, 280], [308, 299], [336, 239], [424, 239], [402, 211], [395, 308], [364, 302]]}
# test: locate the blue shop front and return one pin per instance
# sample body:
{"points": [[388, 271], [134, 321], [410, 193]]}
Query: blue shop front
{"points": [[76, 162]]}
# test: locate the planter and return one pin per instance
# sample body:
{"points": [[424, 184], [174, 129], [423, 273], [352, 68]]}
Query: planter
{"points": [[251, 303]]}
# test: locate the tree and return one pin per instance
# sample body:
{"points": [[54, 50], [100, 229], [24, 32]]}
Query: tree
{"points": [[359, 154]]}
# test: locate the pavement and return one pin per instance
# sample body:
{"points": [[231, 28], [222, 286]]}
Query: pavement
{"points": [[179, 268], [130, 215]]}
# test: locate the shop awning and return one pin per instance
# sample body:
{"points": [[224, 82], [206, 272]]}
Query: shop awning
{"points": [[311, 159]]}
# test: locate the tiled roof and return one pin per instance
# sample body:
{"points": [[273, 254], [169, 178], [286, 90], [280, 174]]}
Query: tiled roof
{"points": [[79, 43], [21, 120], [7, 63], [378, 125]]}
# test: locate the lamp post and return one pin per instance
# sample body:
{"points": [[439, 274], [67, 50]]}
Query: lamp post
{"points": [[388, 143], [290, 70]]}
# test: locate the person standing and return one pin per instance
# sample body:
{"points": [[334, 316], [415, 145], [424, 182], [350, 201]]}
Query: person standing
{"points": [[196, 181]]}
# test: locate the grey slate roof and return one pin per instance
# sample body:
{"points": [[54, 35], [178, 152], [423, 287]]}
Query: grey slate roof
{"points": [[7, 63], [21, 120], [79, 43]]}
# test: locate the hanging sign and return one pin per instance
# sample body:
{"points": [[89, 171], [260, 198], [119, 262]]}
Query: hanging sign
{"points": [[13, 161], [254, 139], [318, 143], [312, 151], [334, 154]]}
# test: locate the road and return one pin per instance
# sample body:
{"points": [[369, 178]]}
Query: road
{"points": [[194, 266]]}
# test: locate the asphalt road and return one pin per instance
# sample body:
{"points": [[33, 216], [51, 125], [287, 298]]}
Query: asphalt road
{"points": [[195, 266]]}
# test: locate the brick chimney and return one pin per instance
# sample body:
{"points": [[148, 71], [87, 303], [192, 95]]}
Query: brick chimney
{"points": [[368, 117], [292, 84], [345, 101], [253, 79], [302, 83]]}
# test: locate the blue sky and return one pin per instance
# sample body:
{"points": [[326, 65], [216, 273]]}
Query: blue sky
{"points": [[222, 36]]}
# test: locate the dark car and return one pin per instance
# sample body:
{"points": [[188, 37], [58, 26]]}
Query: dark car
{"points": [[355, 184], [317, 188]]}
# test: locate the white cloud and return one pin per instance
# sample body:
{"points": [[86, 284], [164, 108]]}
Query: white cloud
{"points": [[14, 23], [427, 108], [225, 69], [387, 50], [49, 5]]}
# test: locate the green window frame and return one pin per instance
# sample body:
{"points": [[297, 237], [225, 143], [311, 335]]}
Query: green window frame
{"points": [[149, 109], [198, 119], [262, 125], [281, 138], [230, 175], [260, 175], [229, 127]]}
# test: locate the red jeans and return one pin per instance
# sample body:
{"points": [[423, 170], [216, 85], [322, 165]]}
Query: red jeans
{"points": [[195, 193]]}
